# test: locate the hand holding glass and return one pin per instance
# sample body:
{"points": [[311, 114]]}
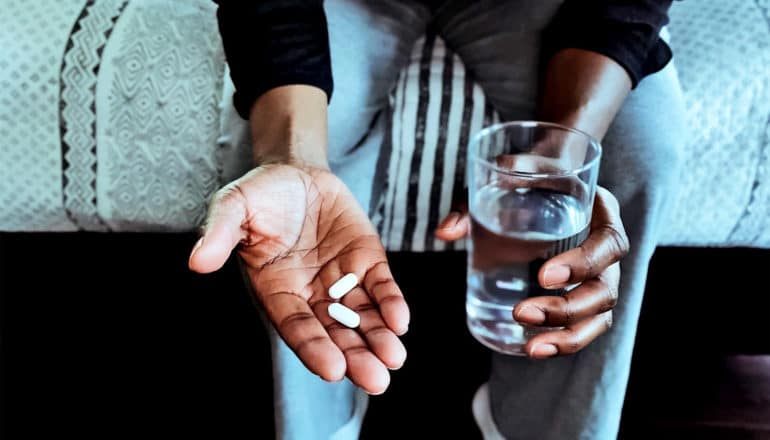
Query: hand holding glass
{"points": [[531, 188]]}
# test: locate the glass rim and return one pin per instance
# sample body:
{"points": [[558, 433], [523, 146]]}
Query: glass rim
{"points": [[486, 131]]}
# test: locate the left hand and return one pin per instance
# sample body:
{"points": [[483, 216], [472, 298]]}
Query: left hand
{"points": [[298, 229], [585, 312]]}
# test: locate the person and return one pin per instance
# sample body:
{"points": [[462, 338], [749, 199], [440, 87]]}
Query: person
{"points": [[298, 223]]}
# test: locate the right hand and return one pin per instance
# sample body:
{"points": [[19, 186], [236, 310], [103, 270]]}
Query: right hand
{"points": [[298, 230], [585, 312]]}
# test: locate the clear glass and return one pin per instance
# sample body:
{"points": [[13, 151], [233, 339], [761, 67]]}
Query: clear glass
{"points": [[531, 188]]}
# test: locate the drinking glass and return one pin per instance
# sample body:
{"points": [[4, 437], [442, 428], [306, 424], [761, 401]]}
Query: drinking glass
{"points": [[531, 188]]}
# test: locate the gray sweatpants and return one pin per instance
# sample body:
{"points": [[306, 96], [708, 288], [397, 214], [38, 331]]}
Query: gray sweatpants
{"points": [[575, 397]]}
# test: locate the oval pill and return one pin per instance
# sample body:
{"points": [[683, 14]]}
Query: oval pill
{"points": [[343, 286], [344, 315]]}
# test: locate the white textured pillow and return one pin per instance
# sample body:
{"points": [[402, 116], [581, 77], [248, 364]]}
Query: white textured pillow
{"points": [[109, 114], [722, 53]]}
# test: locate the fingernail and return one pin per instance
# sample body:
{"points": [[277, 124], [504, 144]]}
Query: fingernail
{"points": [[198, 244], [530, 315], [541, 351], [450, 221], [556, 275]]}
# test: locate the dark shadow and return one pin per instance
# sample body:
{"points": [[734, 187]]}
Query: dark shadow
{"points": [[701, 367], [111, 335]]}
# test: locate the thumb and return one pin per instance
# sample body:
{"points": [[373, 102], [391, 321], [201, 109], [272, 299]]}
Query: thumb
{"points": [[222, 232], [454, 227]]}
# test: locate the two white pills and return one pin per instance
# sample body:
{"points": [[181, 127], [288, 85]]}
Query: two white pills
{"points": [[339, 312]]}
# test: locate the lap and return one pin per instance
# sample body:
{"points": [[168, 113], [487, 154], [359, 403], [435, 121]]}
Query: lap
{"points": [[370, 41], [499, 43]]}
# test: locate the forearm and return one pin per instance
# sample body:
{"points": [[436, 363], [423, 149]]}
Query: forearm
{"points": [[278, 53], [289, 125], [583, 89], [596, 51]]}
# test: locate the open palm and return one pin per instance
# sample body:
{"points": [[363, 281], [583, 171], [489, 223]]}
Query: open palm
{"points": [[298, 231]]}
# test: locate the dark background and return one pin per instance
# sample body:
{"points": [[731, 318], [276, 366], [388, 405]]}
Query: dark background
{"points": [[106, 335]]}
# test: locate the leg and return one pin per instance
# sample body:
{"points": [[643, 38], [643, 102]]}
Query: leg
{"points": [[370, 41], [579, 396]]}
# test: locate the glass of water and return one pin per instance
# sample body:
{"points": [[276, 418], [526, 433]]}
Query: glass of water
{"points": [[531, 188]]}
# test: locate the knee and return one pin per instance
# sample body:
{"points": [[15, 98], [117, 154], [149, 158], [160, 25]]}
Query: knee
{"points": [[644, 148], [663, 170], [647, 162]]}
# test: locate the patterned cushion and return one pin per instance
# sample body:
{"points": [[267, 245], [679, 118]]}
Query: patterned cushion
{"points": [[109, 114], [722, 50]]}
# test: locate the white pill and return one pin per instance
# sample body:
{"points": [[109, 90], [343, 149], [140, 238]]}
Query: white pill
{"points": [[344, 315], [343, 286]]}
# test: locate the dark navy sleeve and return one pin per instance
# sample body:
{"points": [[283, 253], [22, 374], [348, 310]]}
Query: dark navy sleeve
{"points": [[626, 31], [274, 43]]}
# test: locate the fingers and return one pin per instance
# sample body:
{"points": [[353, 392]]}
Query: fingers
{"points": [[371, 267], [372, 348], [373, 333], [363, 352], [569, 340], [363, 368], [222, 231], [380, 337], [592, 297], [584, 312], [384, 292], [303, 333], [454, 227], [528, 163], [606, 245]]}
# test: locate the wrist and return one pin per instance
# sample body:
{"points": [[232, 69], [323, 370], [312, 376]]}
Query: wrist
{"points": [[289, 126], [293, 148], [584, 90]]}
